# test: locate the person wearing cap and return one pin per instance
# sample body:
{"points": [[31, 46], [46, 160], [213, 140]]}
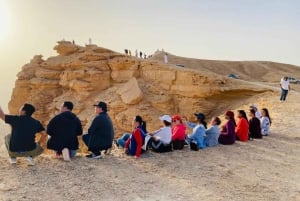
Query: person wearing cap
{"points": [[285, 88], [21, 141], [100, 134], [212, 134], [254, 126], [198, 130], [64, 130], [227, 135], [161, 139], [257, 112], [178, 133]]}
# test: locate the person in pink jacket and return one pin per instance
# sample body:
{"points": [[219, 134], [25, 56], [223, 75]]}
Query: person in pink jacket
{"points": [[178, 132]]}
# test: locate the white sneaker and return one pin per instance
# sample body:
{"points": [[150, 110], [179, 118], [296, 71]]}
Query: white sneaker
{"points": [[66, 154], [30, 161], [13, 160]]}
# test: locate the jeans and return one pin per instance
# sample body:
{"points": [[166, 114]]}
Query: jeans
{"points": [[283, 94], [122, 140]]}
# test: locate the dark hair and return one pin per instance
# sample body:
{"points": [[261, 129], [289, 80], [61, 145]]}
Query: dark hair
{"points": [[68, 105], [202, 121], [142, 123], [217, 120], [267, 114], [167, 123], [243, 113], [28, 109], [252, 111]]}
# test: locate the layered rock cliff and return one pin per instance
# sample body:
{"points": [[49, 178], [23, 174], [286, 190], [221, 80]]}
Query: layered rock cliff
{"points": [[130, 86]]}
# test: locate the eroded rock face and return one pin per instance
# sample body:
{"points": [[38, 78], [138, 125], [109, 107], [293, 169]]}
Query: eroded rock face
{"points": [[130, 86]]}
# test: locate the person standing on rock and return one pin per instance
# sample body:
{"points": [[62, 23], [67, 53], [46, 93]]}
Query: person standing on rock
{"points": [[166, 58], [136, 53], [285, 88], [21, 141], [100, 134], [63, 130], [141, 54]]}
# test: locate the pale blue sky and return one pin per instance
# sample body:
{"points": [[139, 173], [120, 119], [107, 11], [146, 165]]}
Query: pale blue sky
{"points": [[206, 29]]}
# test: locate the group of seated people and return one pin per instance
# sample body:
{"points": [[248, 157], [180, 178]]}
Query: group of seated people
{"points": [[173, 134], [63, 130]]}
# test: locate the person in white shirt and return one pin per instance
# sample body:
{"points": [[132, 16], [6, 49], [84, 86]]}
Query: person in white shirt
{"points": [[161, 139], [166, 58], [285, 88], [257, 112]]}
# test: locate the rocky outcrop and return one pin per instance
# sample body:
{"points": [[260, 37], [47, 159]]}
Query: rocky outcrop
{"points": [[130, 86]]}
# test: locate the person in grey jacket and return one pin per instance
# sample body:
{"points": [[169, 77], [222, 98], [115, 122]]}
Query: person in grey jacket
{"points": [[101, 132], [212, 134]]}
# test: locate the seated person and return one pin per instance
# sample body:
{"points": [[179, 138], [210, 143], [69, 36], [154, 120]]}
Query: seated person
{"points": [[100, 134], [132, 143], [242, 127], [161, 139], [21, 141], [178, 133], [198, 131], [63, 130], [254, 126], [212, 134], [265, 122], [227, 135]]}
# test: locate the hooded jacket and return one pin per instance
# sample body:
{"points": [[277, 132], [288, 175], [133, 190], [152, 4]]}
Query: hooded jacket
{"points": [[63, 130]]}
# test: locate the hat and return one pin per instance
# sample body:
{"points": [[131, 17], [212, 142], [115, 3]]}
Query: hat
{"points": [[253, 106], [166, 118], [230, 114], [103, 105], [200, 116], [176, 117]]}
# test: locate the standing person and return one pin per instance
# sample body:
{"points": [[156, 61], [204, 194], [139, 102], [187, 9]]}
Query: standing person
{"points": [[227, 135], [285, 88], [132, 143], [242, 127], [199, 129], [126, 51], [257, 112], [178, 133], [166, 58], [212, 134], [136, 53], [141, 54], [129, 51], [101, 132], [63, 130], [265, 122], [161, 138], [21, 141], [254, 126]]}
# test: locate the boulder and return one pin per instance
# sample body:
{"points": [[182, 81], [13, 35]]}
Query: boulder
{"points": [[130, 92]]}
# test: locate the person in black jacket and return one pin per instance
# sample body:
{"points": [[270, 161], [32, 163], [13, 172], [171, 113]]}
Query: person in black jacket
{"points": [[63, 130], [254, 126], [101, 132]]}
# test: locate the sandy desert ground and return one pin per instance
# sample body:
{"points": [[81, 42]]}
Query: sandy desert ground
{"points": [[267, 169]]}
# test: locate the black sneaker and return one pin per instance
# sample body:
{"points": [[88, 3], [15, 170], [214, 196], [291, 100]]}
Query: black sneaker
{"points": [[94, 156]]}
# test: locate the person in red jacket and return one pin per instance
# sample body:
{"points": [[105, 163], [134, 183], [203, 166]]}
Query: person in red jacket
{"points": [[133, 143], [178, 132], [242, 128]]}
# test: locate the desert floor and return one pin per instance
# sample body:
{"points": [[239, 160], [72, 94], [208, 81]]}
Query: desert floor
{"points": [[267, 169]]}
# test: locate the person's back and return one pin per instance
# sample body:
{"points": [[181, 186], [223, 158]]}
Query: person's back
{"points": [[64, 129], [254, 128], [212, 136], [24, 129], [101, 131], [242, 130]]}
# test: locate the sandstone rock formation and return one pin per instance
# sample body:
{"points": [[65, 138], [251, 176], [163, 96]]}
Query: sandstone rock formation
{"points": [[130, 86]]}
